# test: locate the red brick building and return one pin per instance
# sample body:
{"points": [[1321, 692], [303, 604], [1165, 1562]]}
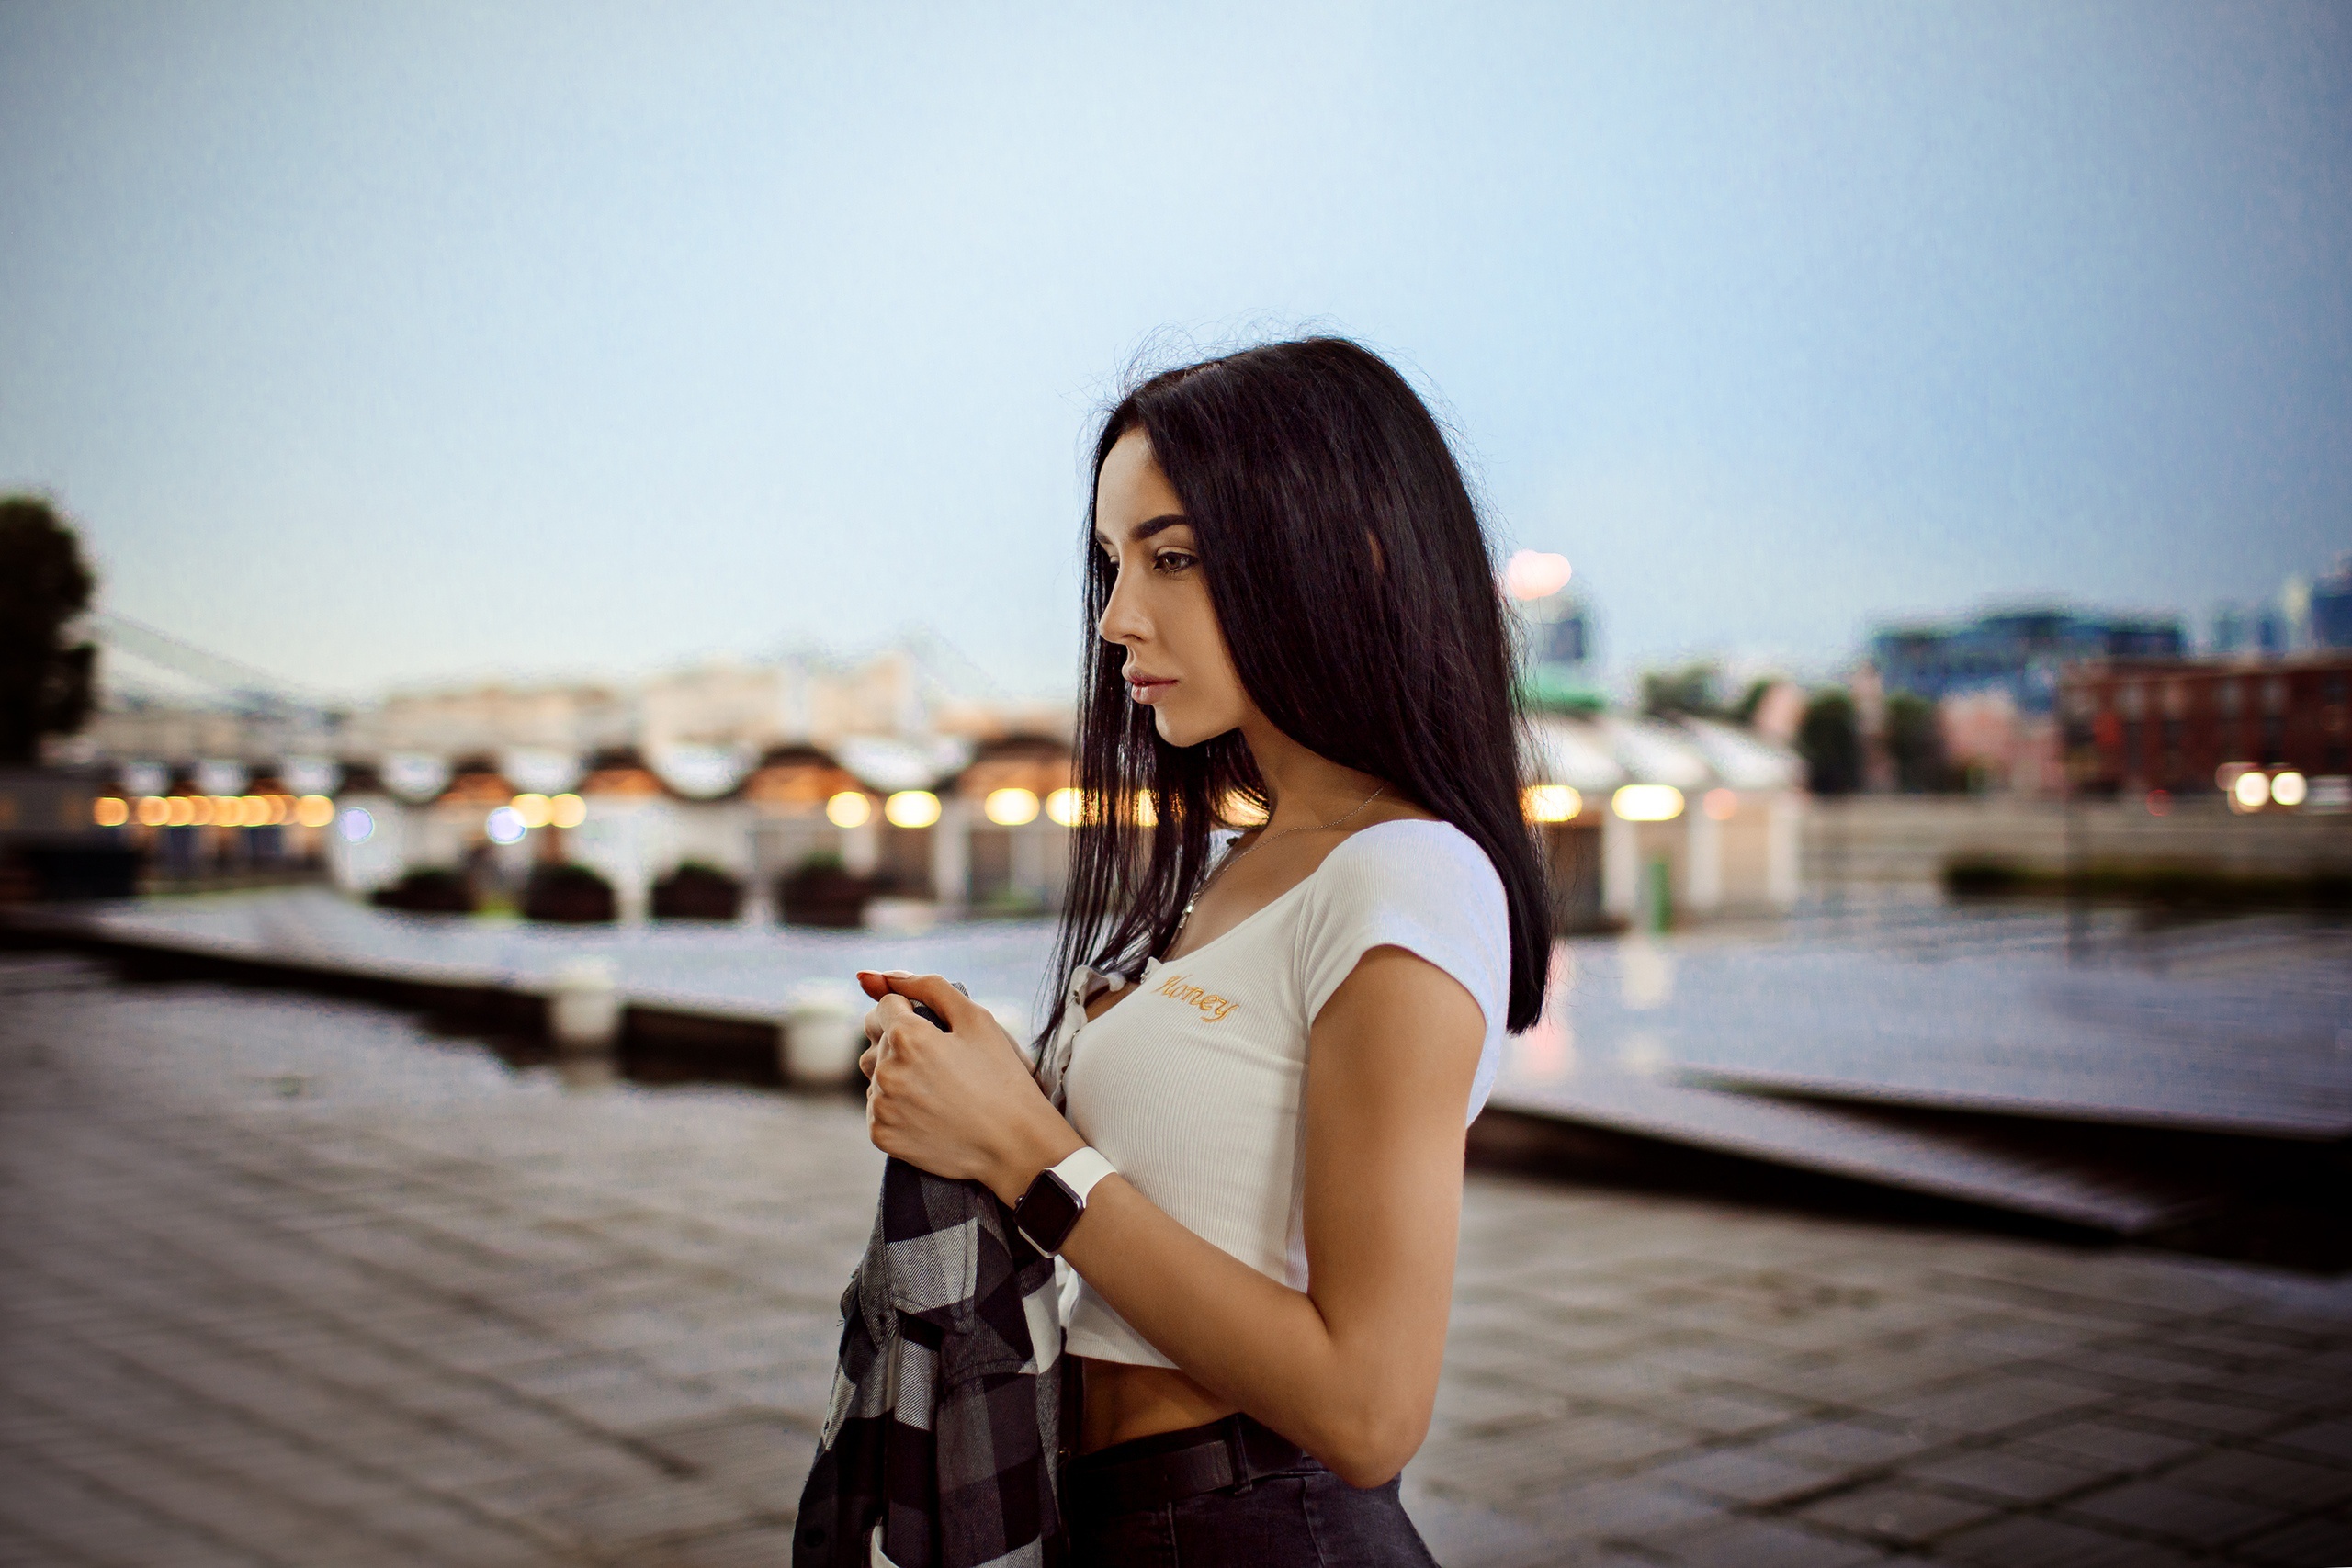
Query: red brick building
{"points": [[2135, 725]]}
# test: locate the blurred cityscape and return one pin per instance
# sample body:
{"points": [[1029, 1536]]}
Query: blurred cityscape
{"points": [[1965, 744], [2029, 922], [535, 542]]}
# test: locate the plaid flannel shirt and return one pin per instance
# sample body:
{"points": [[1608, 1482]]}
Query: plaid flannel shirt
{"points": [[941, 1439]]}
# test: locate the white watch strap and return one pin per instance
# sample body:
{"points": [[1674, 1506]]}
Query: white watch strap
{"points": [[1081, 1170]]}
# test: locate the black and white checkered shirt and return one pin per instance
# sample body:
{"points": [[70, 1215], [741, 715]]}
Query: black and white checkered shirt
{"points": [[940, 1442]]}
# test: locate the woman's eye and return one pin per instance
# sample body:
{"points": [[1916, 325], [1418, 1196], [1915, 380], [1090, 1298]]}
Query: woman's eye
{"points": [[1173, 562]]}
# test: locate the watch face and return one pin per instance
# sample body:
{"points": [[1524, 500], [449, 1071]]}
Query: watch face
{"points": [[1047, 1213]]}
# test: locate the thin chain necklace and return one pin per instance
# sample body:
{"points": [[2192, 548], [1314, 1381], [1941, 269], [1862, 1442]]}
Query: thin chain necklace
{"points": [[1227, 863]]}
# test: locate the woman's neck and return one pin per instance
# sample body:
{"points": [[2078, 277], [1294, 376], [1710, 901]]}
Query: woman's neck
{"points": [[1306, 789]]}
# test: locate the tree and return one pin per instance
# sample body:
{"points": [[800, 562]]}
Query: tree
{"points": [[1915, 743], [1688, 691], [1830, 740], [44, 584]]}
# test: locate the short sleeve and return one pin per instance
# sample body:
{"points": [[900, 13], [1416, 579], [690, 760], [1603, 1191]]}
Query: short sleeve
{"points": [[1423, 887]]}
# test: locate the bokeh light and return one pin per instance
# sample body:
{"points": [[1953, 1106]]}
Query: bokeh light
{"points": [[153, 810], [567, 812], [504, 825], [1552, 802], [1647, 802], [536, 810], [849, 809], [1238, 810], [1532, 574], [2252, 791], [1720, 804], [357, 825], [107, 811], [2288, 788], [317, 811], [1010, 807], [1065, 806], [911, 809]]}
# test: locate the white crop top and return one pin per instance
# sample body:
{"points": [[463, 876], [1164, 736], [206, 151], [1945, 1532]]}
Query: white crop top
{"points": [[1192, 1086]]}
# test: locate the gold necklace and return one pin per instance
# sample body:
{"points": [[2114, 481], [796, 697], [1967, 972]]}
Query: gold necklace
{"points": [[1227, 862]]}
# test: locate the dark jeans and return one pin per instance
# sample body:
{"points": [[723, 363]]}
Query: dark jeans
{"points": [[1301, 1517]]}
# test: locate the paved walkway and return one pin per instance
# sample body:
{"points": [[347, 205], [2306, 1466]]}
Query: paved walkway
{"points": [[292, 1282]]}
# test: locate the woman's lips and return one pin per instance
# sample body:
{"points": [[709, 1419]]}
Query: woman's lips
{"points": [[1149, 689]]}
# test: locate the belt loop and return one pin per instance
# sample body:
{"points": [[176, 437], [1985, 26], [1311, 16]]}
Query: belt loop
{"points": [[1236, 1447]]}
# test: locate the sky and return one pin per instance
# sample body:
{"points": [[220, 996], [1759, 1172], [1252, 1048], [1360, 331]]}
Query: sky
{"points": [[392, 346]]}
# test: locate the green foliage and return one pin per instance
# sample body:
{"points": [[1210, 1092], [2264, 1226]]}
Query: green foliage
{"points": [[1830, 739], [1914, 742], [567, 892], [430, 890], [698, 891], [45, 685], [2151, 884], [1688, 691]]}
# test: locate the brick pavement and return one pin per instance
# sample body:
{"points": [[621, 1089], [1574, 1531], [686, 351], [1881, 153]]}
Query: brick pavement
{"points": [[294, 1283]]}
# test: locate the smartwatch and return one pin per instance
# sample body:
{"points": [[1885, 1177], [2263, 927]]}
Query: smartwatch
{"points": [[1049, 1210]]}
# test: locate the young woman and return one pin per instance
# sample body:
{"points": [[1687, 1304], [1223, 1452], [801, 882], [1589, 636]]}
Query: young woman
{"points": [[1269, 1059]]}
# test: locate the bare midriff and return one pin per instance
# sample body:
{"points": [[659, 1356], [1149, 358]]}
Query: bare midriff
{"points": [[1123, 1402]]}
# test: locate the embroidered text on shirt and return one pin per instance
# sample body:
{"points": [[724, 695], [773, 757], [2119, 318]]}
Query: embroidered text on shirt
{"points": [[1212, 1006]]}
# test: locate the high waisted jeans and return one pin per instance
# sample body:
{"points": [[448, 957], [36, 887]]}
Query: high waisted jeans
{"points": [[1302, 1517]]}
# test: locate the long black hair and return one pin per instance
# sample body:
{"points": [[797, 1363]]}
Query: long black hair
{"points": [[1356, 591]]}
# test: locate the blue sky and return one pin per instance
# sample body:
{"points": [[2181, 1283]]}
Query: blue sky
{"points": [[395, 344]]}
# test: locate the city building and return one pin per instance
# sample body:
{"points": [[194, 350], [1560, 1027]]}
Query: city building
{"points": [[2187, 726], [1652, 821], [903, 769], [2019, 652], [2331, 607], [2303, 616]]}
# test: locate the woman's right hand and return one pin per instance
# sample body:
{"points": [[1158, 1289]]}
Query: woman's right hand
{"points": [[959, 1105]]}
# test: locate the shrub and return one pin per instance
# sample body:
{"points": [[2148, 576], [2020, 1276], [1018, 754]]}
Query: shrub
{"points": [[568, 893], [697, 892], [821, 891], [429, 890]]}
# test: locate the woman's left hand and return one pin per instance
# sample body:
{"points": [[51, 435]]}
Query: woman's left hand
{"points": [[959, 1103]]}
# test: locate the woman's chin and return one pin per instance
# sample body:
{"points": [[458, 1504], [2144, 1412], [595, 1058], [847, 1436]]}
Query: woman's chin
{"points": [[1177, 731]]}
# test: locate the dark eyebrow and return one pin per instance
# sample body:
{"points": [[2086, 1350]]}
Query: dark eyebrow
{"points": [[1150, 525]]}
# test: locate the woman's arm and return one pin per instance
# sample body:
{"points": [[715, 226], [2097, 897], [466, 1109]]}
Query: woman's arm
{"points": [[1347, 1369]]}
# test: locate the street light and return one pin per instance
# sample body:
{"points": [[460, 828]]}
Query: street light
{"points": [[1552, 802], [911, 809], [1010, 807], [1647, 802]]}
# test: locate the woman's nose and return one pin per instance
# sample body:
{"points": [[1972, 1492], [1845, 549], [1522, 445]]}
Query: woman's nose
{"points": [[1121, 620]]}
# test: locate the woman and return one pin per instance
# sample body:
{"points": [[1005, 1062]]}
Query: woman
{"points": [[1269, 1063]]}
